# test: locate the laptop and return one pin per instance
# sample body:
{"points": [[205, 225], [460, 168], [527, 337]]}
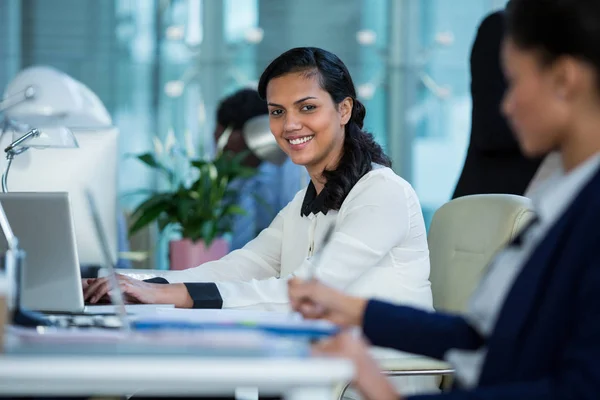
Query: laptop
{"points": [[50, 277]]}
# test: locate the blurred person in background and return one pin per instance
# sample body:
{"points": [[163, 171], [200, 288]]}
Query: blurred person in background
{"points": [[273, 187], [494, 161]]}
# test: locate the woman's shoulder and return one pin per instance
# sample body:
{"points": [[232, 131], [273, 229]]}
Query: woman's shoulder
{"points": [[381, 189], [381, 182], [382, 176]]}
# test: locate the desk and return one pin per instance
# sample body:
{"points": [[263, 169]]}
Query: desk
{"points": [[28, 373]]}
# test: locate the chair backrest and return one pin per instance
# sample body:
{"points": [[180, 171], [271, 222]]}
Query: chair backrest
{"points": [[464, 235]]}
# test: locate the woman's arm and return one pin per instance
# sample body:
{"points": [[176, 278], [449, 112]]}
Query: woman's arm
{"points": [[375, 218], [195, 287], [384, 324], [416, 331]]}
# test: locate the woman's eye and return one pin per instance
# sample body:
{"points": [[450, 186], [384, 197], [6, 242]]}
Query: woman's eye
{"points": [[276, 113], [308, 107]]}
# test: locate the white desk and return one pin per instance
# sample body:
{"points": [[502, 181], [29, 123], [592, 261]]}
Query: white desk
{"points": [[116, 374]]}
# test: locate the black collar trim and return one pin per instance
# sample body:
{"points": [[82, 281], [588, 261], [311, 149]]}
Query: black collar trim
{"points": [[313, 204]]}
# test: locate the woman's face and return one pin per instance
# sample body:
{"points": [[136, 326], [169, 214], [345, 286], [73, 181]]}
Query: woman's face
{"points": [[306, 123], [535, 101]]}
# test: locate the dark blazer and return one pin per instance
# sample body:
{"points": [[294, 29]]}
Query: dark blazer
{"points": [[546, 343], [494, 162]]}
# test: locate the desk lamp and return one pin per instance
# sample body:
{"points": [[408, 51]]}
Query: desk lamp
{"points": [[55, 104], [42, 101], [40, 95], [49, 137]]}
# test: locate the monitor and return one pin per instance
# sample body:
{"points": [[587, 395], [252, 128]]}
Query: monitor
{"points": [[93, 165]]}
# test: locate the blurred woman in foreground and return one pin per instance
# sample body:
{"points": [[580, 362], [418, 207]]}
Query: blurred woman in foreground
{"points": [[533, 326]]}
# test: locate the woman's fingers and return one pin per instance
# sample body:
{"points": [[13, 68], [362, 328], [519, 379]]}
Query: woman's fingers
{"points": [[92, 287], [100, 287], [311, 310], [99, 291], [301, 292]]}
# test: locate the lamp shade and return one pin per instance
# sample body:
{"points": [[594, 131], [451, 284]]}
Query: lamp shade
{"points": [[51, 97], [261, 142], [48, 137]]}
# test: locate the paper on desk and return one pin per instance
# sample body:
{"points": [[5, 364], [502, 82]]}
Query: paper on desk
{"points": [[97, 341], [65, 335], [249, 318], [219, 315]]}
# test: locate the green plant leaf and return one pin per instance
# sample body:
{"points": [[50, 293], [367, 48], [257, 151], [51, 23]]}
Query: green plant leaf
{"points": [[148, 203], [150, 211], [199, 163], [205, 209], [233, 209], [150, 160]]}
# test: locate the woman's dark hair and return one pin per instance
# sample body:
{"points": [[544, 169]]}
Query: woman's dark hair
{"points": [[360, 149], [557, 28]]}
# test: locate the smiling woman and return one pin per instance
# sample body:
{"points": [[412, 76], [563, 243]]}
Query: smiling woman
{"points": [[378, 246], [317, 120]]}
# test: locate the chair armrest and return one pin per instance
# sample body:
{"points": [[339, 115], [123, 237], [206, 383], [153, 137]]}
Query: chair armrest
{"points": [[416, 365]]}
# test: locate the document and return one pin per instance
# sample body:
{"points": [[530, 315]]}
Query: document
{"points": [[278, 323]]}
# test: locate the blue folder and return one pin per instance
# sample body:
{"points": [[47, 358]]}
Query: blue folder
{"points": [[311, 330]]}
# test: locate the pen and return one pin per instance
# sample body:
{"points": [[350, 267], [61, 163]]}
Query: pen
{"points": [[313, 265]]}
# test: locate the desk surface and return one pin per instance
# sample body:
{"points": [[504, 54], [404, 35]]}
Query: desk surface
{"points": [[26, 371], [166, 376]]}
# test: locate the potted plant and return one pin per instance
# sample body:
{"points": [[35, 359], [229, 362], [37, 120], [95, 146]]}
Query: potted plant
{"points": [[199, 202]]}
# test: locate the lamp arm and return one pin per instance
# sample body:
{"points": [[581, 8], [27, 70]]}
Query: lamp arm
{"points": [[9, 158], [13, 242], [31, 134], [11, 151]]}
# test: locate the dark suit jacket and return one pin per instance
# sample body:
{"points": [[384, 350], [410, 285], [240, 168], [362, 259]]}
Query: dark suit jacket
{"points": [[546, 343], [494, 162]]}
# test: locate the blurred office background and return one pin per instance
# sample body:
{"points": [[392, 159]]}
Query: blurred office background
{"points": [[161, 65]]}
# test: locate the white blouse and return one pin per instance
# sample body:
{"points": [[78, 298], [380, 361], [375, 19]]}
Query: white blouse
{"points": [[378, 249]]}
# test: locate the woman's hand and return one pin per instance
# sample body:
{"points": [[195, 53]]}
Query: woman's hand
{"points": [[368, 379], [316, 301], [136, 291]]}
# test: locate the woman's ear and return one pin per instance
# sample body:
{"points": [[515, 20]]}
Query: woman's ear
{"points": [[345, 109], [569, 79]]}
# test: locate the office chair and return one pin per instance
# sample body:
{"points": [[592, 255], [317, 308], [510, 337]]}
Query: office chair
{"points": [[464, 235]]}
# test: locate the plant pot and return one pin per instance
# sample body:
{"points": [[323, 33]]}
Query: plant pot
{"points": [[185, 254]]}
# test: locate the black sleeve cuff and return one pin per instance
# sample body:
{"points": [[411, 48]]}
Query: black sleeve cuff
{"points": [[157, 279], [205, 294]]}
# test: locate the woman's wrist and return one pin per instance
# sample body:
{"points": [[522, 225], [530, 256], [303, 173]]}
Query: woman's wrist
{"points": [[355, 309], [174, 293]]}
